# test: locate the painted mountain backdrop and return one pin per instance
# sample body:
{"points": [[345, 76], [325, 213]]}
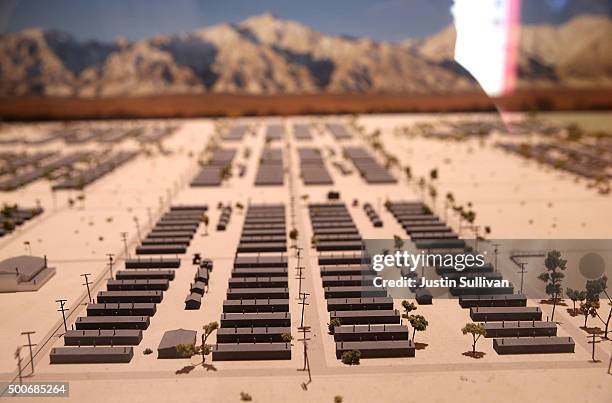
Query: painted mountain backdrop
{"points": [[267, 55]]}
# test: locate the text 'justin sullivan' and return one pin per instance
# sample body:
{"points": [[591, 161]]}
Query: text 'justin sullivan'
{"points": [[420, 282], [411, 261]]}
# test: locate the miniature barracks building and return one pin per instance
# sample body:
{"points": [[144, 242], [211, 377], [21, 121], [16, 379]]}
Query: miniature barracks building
{"points": [[24, 273], [172, 338]]}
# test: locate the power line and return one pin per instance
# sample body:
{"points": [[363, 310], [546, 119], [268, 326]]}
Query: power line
{"points": [[305, 329], [299, 269], [303, 302], [110, 263], [495, 251], [304, 340], [137, 227], [87, 283], [63, 309], [30, 345], [124, 238]]}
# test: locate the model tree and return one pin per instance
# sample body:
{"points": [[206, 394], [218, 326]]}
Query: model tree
{"points": [[433, 174], [555, 265], [408, 172], [8, 224], [594, 289], [450, 198], [422, 184], [225, 173], [390, 161], [477, 330], [459, 210], [608, 320], [332, 325], [469, 216], [351, 357], [433, 193], [398, 243], [418, 323], [8, 210], [186, 350], [408, 307], [575, 296], [589, 308], [205, 349]]}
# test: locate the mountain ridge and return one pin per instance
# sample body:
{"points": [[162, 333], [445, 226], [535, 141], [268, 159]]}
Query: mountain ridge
{"points": [[267, 55]]}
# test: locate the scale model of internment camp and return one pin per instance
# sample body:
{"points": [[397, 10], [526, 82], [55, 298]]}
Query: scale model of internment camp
{"points": [[229, 259]]}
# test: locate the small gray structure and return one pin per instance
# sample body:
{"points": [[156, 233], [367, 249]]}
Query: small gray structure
{"points": [[24, 273], [172, 338]]}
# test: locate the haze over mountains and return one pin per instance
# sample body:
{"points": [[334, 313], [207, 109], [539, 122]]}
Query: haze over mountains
{"points": [[267, 55]]}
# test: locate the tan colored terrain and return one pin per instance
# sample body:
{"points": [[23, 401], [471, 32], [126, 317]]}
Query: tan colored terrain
{"points": [[506, 192]]}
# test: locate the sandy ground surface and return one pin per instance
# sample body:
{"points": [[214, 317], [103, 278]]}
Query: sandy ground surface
{"points": [[516, 198]]}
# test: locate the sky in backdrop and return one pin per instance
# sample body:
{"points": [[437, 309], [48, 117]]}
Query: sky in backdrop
{"points": [[392, 20]]}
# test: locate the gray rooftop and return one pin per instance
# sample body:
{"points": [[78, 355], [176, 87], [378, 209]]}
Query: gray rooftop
{"points": [[173, 338], [26, 266]]}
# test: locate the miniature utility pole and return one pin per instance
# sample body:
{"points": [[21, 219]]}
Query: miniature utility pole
{"points": [[303, 302], [110, 263], [124, 238], [298, 251], [137, 227], [63, 310], [446, 205], [496, 245], [150, 216], [593, 342], [299, 269], [18, 358], [30, 345], [304, 329], [304, 340], [300, 278], [87, 283], [475, 228], [522, 273]]}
